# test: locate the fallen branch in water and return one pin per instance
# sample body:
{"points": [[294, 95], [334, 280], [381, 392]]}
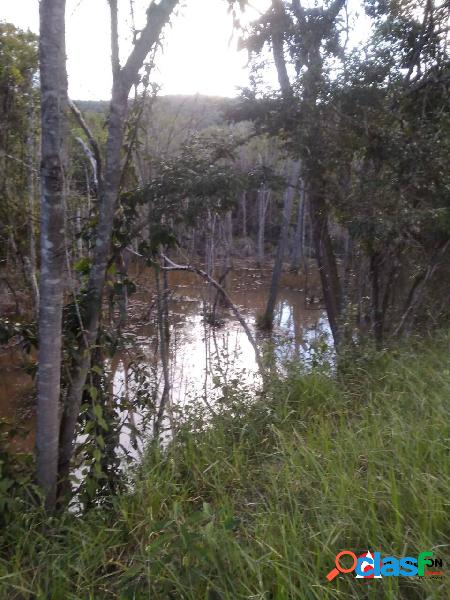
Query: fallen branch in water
{"points": [[174, 267]]}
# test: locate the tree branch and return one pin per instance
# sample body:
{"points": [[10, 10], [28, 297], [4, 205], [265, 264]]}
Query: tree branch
{"points": [[115, 61], [334, 9], [91, 159], [298, 11], [277, 36], [158, 15], [92, 141]]}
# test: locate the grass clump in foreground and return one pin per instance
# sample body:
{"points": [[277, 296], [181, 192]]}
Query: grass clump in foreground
{"points": [[257, 505]]}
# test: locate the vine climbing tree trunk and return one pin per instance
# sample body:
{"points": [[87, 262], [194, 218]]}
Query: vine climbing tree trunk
{"points": [[53, 80]]}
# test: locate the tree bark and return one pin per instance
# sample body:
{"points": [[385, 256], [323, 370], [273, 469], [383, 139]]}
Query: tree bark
{"points": [[53, 79]]}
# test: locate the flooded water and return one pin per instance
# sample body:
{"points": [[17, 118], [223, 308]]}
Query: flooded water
{"points": [[202, 358]]}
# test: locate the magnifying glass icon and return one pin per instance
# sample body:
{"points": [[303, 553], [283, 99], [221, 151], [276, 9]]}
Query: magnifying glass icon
{"points": [[339, 568]]}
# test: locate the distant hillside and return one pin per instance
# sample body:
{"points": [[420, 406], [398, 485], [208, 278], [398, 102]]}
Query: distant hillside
{"points": [[169, 121], [209, 108]]}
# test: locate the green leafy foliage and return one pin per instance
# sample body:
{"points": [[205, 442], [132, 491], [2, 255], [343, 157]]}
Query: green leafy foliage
{"points": [[18, 102], [16, 482]]}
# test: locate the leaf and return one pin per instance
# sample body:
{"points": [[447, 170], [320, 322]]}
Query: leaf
{"points": [[98, 411], [83, 266]]}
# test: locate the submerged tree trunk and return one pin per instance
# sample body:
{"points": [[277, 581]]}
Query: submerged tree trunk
{"points": [[263, 202], [163, 346], [288, 198], [124, 78], [327, 264], [53, 79], [299, 236]]}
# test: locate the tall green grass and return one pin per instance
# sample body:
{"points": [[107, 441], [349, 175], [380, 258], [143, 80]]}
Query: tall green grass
{"points": [[257, 505]]}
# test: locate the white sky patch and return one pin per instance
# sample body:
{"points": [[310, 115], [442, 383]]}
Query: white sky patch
{"points": [[199, 51]]}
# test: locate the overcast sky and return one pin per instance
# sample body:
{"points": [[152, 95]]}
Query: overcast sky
{"points": [[200, 49]]}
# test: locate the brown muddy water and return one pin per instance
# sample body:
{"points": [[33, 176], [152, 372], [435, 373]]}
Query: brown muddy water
{"points": [[203, 359]]}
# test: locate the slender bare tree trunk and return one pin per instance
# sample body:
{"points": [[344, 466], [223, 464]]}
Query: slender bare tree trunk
{"points": [[124, 78], [53, 106], [164, 353], [377, 315], [289, 195], [244, 213], [326, 261], [229, 235], [263, 202], [79, 229], [298, 249]]}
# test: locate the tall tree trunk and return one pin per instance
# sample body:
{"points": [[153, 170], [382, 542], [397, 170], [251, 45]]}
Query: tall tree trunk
{"points": [[244, 213], [377, 315], [298, 249], [164, 352], [313, 160], [289, 195], [229, 236], [326, 261], [263, 202], [124, 78], [53, 79]]}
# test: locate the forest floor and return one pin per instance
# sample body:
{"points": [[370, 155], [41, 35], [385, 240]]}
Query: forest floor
{"points": [[257, 504]]}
